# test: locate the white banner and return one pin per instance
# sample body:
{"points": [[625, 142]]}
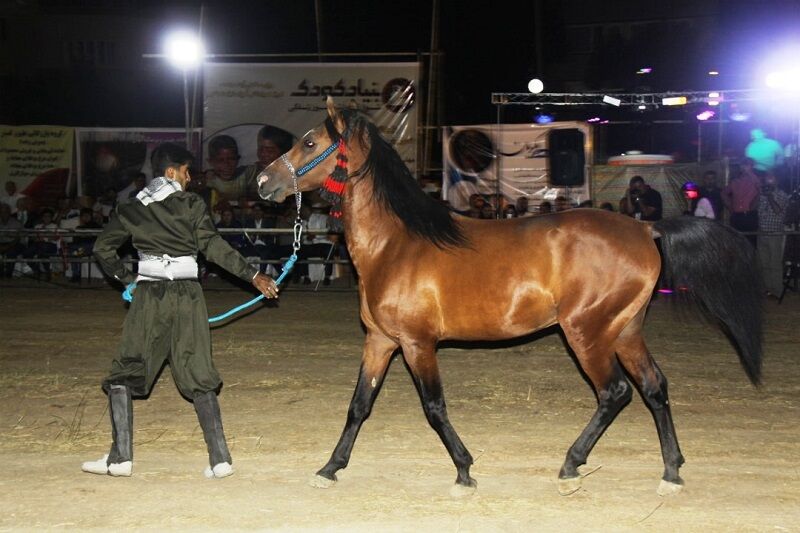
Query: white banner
{"points": [[241, 98], [506, 159]]}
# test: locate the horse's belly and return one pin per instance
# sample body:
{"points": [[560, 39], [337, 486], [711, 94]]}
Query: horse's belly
{"points": [[489, 319]]}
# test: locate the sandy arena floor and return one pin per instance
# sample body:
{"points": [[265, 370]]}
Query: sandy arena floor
{"points": [[289, 373]]}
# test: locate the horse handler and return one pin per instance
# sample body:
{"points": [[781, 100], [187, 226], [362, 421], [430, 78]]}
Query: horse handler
{"points": [[167, 318]]}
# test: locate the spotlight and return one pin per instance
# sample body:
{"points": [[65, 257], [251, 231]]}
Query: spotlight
{"points": [[641, 107], [714, 98], [713, 73], [674, 100], [705, 115], [543, 118], [594, 119], [184, 50], [784, 79], [644, 70], [535, 86], [611, 100]]}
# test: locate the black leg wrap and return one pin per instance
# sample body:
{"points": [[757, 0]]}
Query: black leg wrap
{"points": [[207, 408], [121, 407]]}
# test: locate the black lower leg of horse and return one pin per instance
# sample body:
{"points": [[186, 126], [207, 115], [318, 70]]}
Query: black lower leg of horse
{"points": [[654, 393], [425, 371], [377, 355], [612, 397]]}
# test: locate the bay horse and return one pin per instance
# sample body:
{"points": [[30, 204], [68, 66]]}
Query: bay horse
{"points": [[591, 271]]}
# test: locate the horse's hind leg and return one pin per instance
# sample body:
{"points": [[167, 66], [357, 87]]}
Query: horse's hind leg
{"points": [[421, 360], [377, 355], [652, 385], [613, 394]]}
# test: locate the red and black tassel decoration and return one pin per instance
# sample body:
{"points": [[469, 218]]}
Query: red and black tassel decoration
{"points": [[333, 188]]}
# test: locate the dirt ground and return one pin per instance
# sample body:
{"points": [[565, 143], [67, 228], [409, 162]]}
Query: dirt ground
{"points": [[289, 373]]}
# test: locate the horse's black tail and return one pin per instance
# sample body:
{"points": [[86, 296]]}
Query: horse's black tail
{"points": [[717, 266]]}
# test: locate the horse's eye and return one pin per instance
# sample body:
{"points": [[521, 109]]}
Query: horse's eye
{"points": [[309, 143]]}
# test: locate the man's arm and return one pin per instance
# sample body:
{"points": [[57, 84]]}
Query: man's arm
{"points": [[217, 250], [105, 250]]}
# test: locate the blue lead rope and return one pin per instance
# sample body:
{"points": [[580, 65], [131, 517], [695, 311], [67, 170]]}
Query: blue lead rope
{"points": [[127, 294]]}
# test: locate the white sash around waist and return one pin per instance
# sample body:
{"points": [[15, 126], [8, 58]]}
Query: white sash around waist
{"points": [[165, 267]]}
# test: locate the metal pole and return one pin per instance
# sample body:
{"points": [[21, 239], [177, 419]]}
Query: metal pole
{"points": [[699, 140], [318, 22], [186, 108], [433, 61]]}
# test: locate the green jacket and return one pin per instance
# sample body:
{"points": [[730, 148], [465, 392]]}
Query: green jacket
{"points": [[177, 225]]}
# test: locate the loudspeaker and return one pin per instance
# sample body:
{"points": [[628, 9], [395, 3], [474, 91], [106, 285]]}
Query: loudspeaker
{"points": [[566, 157]]}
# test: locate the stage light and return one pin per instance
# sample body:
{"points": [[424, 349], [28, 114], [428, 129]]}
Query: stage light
{"points": [[644, 70], [641, 107], [535, 86], [594, 119], [184, 50], [674, 100], [705, 115], [714, 98], [738, 116], [611, 100], [713, 73], [788, 80], [544, 118]]}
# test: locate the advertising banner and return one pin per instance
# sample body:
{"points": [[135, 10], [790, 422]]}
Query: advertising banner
{"points": [[240, 99], [503, 162], [110, 158], [37, 158]]}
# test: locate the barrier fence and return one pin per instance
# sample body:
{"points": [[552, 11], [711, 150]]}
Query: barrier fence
{"points": [[62, 260]]}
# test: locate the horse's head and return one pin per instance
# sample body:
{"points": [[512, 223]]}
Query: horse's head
{"points": [[309, 162]]}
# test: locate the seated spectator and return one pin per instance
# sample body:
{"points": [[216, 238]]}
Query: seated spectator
{"points": [[317, 246], [608, 206], [43, 246], [66, 210], [24, 213], [82, 246], [11, 197], [10, 245], [545, 208], [562, 204], [258, 244], [521, 206], [228, 221], [698, 206], [487, 211], [139, 183], [586, 204], [106, 203], [510, 211]]}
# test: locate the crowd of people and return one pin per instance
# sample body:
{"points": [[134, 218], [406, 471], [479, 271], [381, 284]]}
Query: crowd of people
{"points": [[753, 202]]}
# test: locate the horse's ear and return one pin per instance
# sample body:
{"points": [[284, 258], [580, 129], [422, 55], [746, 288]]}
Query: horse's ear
{"points": [[336, 117]]}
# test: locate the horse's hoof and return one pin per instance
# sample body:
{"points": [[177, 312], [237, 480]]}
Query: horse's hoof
{"points": [[464, 491], [569, 485], [668, 488], [321, 482]]}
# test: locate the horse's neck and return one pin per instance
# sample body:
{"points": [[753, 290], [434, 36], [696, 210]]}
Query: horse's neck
{"points": [[367, 225]]}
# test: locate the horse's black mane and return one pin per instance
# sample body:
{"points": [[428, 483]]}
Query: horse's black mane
{"points": [[395, 187]]}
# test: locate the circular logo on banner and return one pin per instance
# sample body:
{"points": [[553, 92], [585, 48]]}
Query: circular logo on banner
{"points": [[398, 95], [471, 151]]}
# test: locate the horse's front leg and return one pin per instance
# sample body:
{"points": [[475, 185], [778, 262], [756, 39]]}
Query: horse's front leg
{"points": [[378, 351], [421, 360]]}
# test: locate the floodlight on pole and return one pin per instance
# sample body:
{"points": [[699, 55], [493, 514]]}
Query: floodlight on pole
{"points": [[184, 50], [535, 86]]}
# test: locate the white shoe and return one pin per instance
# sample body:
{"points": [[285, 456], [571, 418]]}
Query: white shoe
{"points": [[96, 467], [219, 471], [114, 469], [124, 469]]}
